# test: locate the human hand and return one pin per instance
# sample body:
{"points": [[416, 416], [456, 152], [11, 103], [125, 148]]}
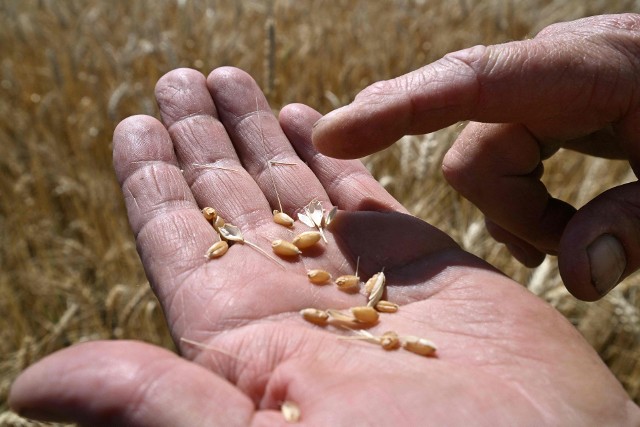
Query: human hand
{"points": [[575, 85], [504, 356]]}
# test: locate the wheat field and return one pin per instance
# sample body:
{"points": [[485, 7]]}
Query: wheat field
{"points": [[71, 70]]}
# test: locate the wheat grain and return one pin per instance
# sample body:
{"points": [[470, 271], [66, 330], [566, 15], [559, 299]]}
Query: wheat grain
{"points": [[347, 282], [209, 214], [365, 314], [315, 316], [290, 412], [284, 248], [421, 346], [282, 218], [390, 340], [217, 250], [306, 239], [384, 306], [318, 277], [342, 320]]}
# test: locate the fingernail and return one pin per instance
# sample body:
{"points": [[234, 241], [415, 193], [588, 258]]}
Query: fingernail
{"points": [[608, 261]]}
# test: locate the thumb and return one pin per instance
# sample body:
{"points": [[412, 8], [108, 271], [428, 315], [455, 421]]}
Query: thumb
{"points": [[126, 383], [601, 243]]}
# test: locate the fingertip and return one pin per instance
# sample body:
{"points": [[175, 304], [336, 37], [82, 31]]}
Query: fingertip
{"points": [[134, 124], [138, 139], [181, 93], [607, 262], [226, 72], [575, 273], [336, 135], [527, 255], [524, 252], [599, 247], [232, 81], [591, 271], [297, 112], [179, 76]]}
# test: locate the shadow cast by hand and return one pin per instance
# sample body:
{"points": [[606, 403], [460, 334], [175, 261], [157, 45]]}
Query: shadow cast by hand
{"points": [[410, 250]]}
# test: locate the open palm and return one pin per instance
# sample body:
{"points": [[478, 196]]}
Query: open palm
{"points": [[504, 356]]}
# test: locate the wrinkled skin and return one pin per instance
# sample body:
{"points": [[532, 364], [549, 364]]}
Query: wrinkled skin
{"points": [[575, 85], [504, 356]]}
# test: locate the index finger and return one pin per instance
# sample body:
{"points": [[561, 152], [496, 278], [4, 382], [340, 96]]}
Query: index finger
{"points": [[562, 84]]}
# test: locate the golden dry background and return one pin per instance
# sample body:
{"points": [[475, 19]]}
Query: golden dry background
{"points": [[71, 70]]}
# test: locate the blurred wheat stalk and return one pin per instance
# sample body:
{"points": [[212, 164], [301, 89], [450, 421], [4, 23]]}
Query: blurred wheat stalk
{"points": [[71, 70]]}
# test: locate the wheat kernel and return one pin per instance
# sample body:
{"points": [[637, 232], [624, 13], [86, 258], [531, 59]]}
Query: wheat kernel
{"points": [[282, 219], [306, 239], [217, 250], [284, 248], [290, 412], [384, 306], [338, 318], [315, 316], [318, 277], [347, 282], [209, 214], [218, 223], [365, 314], [390, 340], [421, 346]]}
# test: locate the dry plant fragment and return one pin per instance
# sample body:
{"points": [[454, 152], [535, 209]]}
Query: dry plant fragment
{"points": [[217, 250], [365, 314], [282, 218], [363, 335], [330, 215], [375, 288], [318, 277], [421, 346], [306, 239], [279, 217], [391, 341], [384, 306], [290, 411], [313, 217], [233, 234], [284, 248], [211, 166], [315, 316]]}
